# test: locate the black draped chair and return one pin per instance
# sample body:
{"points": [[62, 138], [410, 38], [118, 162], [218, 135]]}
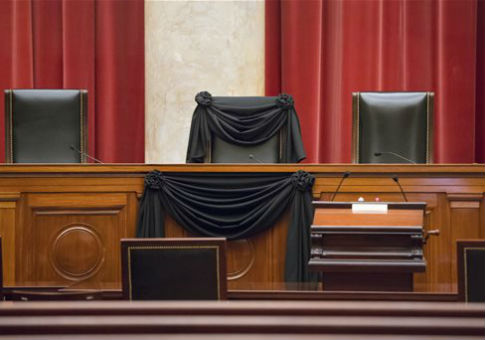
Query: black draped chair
{"points": [[46, 126], [174, 269], [392, 127], [245, 130], [471, 270]]}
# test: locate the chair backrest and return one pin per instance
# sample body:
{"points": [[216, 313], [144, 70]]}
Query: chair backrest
{"points": [[46, 126], [269, 151], [392, 127], [223, 152], [471, 270], [174, 269]]}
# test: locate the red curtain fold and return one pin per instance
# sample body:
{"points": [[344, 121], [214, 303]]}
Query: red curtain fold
{"points": [[322, 51], [93, 44]]}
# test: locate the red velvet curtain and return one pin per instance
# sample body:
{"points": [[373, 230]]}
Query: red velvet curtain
{"points": [[322, 51], [97, 45]]}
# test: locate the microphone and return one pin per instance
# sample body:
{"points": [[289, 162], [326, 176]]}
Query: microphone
{"points": [[72, 147], [396, 179], [378, 154], [344, 176], [251, 156]]}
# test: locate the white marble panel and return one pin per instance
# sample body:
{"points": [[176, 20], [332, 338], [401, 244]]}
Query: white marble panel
{"points": [[190, 46]]}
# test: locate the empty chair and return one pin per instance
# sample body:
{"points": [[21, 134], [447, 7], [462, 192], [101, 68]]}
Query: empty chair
{"points": [[46, 126], [245, 130], [392, 127], [174, 269]]}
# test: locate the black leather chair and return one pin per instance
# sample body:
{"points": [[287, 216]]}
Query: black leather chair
{"points": [[46, 126], [223, 152], [245, 130], [174, 269], [267, 152], [392, 127], [471, 270]]}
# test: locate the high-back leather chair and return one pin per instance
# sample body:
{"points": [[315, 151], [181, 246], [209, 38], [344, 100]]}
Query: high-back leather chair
{"points": [[223, 152], [174, 269], [471, 270], [270, 151], [245, 130], [46, 126], [392, 127]]}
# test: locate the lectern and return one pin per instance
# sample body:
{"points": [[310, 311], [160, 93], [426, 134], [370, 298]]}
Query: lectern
{"points": [[367, 246]]}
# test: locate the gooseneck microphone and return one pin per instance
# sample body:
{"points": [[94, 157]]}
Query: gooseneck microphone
{"points": [[344, 176], [251, 156], [378, 154], [72, 147], [396, 179]]}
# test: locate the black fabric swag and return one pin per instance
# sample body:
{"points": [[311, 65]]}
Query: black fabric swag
{"points": [[232, 205], [244, 121]]}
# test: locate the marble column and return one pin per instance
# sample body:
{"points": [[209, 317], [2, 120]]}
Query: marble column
{"points": [[190, 46]]}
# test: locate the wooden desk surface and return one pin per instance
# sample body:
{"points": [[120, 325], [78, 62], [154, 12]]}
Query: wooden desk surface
{"points": [[61, 224]]}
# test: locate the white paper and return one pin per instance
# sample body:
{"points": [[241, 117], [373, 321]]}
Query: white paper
{"points": [[369, 208]]}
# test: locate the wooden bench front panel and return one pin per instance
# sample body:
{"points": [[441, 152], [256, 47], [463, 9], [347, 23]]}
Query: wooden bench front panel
{"points": [[61, 224]]}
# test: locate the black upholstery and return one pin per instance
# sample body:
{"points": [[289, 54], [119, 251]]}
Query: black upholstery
{"points": [[398, 125], [471, 270], [224, 152], [266, 152], [42, 125], [245, 130], [174, 269]]}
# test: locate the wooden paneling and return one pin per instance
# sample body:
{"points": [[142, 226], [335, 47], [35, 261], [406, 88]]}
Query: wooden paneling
{"points": [[250, 261], [72, 238], [61, 224], [464, 217], [8, 205]]}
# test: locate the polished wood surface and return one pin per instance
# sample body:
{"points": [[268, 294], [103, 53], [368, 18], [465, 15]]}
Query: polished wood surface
{"points": [[241, 318], [300, 308], [61, 224], [367, 251]]}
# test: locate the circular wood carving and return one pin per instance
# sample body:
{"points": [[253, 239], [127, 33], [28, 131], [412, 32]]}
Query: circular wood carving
{"points": [[241, 257], [77, 252]]}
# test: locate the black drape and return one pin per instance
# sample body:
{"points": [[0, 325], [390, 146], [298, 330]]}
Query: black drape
{"points": [[232, 205], [244, 121]]}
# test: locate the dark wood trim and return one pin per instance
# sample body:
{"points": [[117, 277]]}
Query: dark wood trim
{"points": [[450, 170], [297, 308], [339, 295]]}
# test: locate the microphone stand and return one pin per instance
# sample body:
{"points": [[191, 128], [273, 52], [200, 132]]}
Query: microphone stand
{"points": [[378, 154], [344, 176], [72, 147]]}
